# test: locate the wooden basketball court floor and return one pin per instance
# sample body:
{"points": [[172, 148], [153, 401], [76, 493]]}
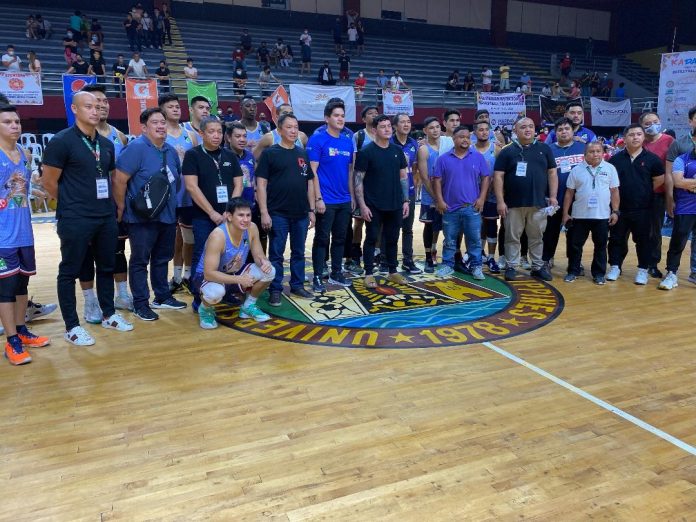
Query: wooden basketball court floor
{"points": [[592, 416]]}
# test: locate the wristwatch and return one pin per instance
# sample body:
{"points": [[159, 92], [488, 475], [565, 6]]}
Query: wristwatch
{"points": [[617, 212]]}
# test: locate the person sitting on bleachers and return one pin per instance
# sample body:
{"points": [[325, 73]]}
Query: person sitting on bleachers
{"points": [[453, 82], [31, 28], [96, 29], [469, 82], [79, 66], [245, 41], [325, 76], [263, 54], [43, 27]]}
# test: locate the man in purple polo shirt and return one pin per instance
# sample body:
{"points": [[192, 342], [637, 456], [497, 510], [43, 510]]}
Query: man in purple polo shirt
{"points": [[460, 182]]}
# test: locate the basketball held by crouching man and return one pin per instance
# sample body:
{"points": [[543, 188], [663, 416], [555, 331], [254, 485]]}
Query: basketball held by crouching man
{"points": [[223, 265]]}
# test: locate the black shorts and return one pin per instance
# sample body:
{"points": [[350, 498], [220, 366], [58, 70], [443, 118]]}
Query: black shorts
{"points": [[490, 210], [184, 216], [123, 230], [17, 260], [429, 214]]}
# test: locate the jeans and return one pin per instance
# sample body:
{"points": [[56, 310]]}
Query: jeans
{"points": [[684, 226], [532, 221], [658, 219], [151, 244], [466, 220], [76, 235], [637, 223], [581, 228], [202, 227], [278, 238], [335, 222], [391, 221]]}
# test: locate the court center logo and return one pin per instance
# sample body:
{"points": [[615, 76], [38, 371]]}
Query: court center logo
{"points": [[428, 311]]}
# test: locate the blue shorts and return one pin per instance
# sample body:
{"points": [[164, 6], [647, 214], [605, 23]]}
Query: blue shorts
{"points": [[18, 260]]}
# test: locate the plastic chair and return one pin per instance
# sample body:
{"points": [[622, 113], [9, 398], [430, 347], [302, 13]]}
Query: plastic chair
{"points": [[45, 138], [36, 151], [27, 139]]}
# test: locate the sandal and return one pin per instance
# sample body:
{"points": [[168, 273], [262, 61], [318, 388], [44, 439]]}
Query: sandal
{"points": [[370, 282]]}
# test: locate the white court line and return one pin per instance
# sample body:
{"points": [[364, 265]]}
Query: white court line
{"points": [[599, 402]]}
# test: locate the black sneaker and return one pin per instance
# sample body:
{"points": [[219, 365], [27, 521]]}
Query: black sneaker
{"points": [[145, 313], [318, 286], [325, 273], [339, 279], [410, 267], [301, 292], [169, 304], [353, 267], [174, 287], [599, 280], [429, 267], [510, 274], [655, 272], [542, 273], [274, 298]]}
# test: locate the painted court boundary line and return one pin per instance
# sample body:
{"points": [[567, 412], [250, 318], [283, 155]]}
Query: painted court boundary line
{"points": [[599, 402]]}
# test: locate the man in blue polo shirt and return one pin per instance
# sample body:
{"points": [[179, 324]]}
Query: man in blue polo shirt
{"points": [[576, 114], [460, 181], [331, 155], [151, 240]]}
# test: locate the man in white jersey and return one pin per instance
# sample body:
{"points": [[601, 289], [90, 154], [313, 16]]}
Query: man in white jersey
{"points": [[198, 110]]}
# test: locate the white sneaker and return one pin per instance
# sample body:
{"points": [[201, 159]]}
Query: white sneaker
{"points": [[116, 322], [525, 264], [93, 312], [614, 273], [670, 281], [444, 271], [641, 277], [36, 310], [124, 302], [79, 337], [477, 273]]}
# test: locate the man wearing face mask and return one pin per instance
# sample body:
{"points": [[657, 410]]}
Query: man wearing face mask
{"points": [[575, 113], [10, 61], [658, 143]]}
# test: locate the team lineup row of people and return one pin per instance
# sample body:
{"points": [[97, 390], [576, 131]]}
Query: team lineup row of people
{"points": [[222, 201]]}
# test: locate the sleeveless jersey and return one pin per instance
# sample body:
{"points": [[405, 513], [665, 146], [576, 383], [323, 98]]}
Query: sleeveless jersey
{"points": [[254, 137], [490, 159], [248, 164], [277, 139], [181, 144], [15, 212], [187, 126], [433, 154], [233, 259], [113, 138]]}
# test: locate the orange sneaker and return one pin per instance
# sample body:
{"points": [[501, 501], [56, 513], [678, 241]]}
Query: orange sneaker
{"points": [[30, 340], [15, 352]]}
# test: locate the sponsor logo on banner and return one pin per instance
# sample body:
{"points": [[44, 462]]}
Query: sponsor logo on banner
{"points": [[677, 93], [308, 101], [275, 100], [21, 88], [72, 83], [140, 95], [504, 108], [610, 114], [396, 102]]}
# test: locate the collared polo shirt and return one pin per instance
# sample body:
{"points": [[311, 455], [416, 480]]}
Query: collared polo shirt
{"points": [[460, 177], [635, 176]]}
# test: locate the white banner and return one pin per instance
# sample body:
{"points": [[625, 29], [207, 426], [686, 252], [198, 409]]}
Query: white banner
{"points": [[308, 101], [610, 114], [677, 91], [504, 108], [21, 88], [396, 102]]}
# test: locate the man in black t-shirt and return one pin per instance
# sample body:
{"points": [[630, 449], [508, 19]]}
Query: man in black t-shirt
{"points": [[381, 190], [213, 176], [77, 166], [343, 67], [285, 196], [79, 66], [525, 171], [119, 69]]}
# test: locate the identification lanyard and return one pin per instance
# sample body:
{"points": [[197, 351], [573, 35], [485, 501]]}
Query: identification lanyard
{"points": [[216, 162], [96, 152], [593, 199], [221, 190]]}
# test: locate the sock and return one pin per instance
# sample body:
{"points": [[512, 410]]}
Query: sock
{"points": [[89, 295], [122, 288], [22, 329], [177, 274], [187, 272], [250, 300]]}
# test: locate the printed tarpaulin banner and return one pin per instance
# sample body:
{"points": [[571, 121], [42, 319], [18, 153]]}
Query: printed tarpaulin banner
{"points": [[21, 88], [275, 100], [308, 101], [397, 101], [504, 108], [677, 92], [551, 110], [71, 84], [610, 114], [206, 89], [140, 95]]}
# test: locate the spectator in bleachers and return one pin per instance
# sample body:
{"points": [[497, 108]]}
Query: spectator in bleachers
{"points": [[526, 80], [343, 67], [97, 67], [96, 29], [131, 28], [360, 84], [11, 61], [352, 38], [573, 92], [306, 38], [240, 79], [239, 58], [278, 50], [245, 41], [397, 83], [453, 82], [137, 12], [84, 28], [306, 66], [190, 72], [361, 36], [74, 23], [140, 34], [79, 66], [163, 76], [43, 27], [31, 31], [486, 78], [95, 45], [148, 28], [119, 69], [325, 76], [469, 82], [136, 67], [157, 28], [286, 57], [556, 91], [166, 24], [584, 83], [620, 91], [382, 81], [605, 85], [337, 32], [69, 47], [546, 90], [504, 78], [263, 54], [566, 66], [266, 77], [33, 62]]}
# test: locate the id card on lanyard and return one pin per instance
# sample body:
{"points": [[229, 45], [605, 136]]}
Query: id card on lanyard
{"points": [[102, 183], [593, 200], [221, 190]]}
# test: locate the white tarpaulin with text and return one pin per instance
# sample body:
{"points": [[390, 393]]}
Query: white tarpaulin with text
{"points": [[677, 92], [396, 102], [504, 108], [610, 114], [308, 101], [21, 88]]}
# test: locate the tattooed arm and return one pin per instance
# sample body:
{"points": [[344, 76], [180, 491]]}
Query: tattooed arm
{"points": [[358, 177]]}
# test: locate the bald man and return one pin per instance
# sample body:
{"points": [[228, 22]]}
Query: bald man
{"points": [[273, 138], [77, 166]]}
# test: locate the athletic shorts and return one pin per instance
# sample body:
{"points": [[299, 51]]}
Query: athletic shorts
{"points": [[343, 75], [123, 230], [490, 210], [214, 292], [184, 216], [429, 214], [18, 260]]}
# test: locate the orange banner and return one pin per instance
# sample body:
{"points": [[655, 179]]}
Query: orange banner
{"points": [[141, 94], [275, 100]]}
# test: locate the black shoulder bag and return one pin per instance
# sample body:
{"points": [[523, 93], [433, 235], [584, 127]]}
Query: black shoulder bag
{"points": [[150, 201]]}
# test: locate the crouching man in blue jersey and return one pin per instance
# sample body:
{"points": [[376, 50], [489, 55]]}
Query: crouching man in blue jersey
{"points": [[223, 265]]}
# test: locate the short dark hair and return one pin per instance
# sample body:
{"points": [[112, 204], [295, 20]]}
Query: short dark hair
{"points": [[147, 114], [234, 125], [6, 107], [330, 107], [285, 117], [368, 108], [593, 143], [459, 129], [574, 103], [395, 118], [563, 121], [479, 112], [633, 126], [427, 121], [379, 119], [197, 99], [481, 122], [450, 112], [644, 115], [94, 87], [166, 98], [336, 100], [4, 100], [692, 112], [209, 120], [235, 204]]}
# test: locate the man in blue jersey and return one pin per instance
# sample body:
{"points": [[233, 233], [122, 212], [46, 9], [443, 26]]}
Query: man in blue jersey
{"points": [[576, 114], [568, 153], [17, 260], [273, 137], [199, 109], [322, 128], [224, 265], [331, 156]]}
